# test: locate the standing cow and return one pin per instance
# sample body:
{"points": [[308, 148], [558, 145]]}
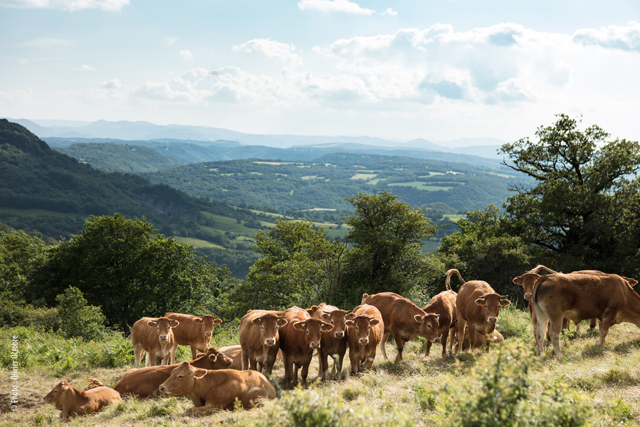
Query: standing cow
{"points": [[155, 337], [194, 331], [478, 307], [365, 331], [443, 306], [333, 343], [260, 339], [298, 339], [403, 319]]}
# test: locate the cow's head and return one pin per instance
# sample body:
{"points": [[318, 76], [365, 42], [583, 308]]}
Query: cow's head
{"points": [[491, 304], [527, 281], [429, 326], [182, 380], [313, 329], [163, 325], [208, 322], [337, 318], [269, 325], [55, 395], [360, 327], [212, 359]]}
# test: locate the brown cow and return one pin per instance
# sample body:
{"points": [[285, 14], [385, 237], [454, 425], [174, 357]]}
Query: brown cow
{"points": [[260, 339], [233, 352], [213, 390], [365, 331], [298, 339], [477, 306], [608, 298], [333, 343], [194, 331], [155, 337], [403, 319], [443, 306], [74, 402], [144, 382]]}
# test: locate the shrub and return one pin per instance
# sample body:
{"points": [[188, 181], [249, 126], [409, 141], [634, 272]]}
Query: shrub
{"points": [[19, 314], [77, 319]]}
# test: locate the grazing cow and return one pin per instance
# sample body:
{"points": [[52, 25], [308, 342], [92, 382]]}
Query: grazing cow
{"points": [[213, 390], [478, 307], [298, 339], [365, 331], [144, 382], [403, 319], [155, 337], [233, 352], [333, 343], [443, 306], [260, 339], [74, 402], [608, 298], [194, 331]]}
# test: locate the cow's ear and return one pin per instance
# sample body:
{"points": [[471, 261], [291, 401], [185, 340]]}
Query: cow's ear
{"points": [[351, 315], [326, 317], [257, 321], [504, 302], [350, 323], [199, 373], [480, 301], [419, 318], [326, 327], [152, 323], [518, 280], [174, 323], [213, 357], [217, 321], [198, 320], [374, 322], [282, 322], [301, 326]]}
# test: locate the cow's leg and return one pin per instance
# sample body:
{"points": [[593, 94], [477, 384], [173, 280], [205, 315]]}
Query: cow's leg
{"points": [[541, 331], [288, 370], [443, 341], [426, 354], [472, 337], [194, 352], [555, 327], [566, 324], [202, 410], [338, 364], [150, 360], [488, 342], [383, 343], [592, 323], [268, 365], [369, 361], [354, 361], [577, 325], [608, 319], [323, 362], [461, 324], [253, 364], [245, 360], [305, 372], [174, 348], [137, 353]]}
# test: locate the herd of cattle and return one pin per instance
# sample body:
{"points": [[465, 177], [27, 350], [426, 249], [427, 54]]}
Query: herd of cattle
{"points": [[220, 378]]}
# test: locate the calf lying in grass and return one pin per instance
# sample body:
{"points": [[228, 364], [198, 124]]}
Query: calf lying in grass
{"points": [[73, 402]]}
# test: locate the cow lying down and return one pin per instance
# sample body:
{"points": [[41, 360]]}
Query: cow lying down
{"points": [[144, 382], [213, 390], [73, 402]]}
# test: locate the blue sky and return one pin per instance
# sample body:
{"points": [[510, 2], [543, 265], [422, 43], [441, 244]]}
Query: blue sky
{"points": [[404, 69]]}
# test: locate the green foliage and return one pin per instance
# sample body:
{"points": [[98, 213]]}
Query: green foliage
{"points": [[19, 314], [426, 399], [128, 270], [77, 319]]}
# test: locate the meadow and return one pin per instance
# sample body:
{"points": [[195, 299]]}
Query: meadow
{"points": [[590, 385]]}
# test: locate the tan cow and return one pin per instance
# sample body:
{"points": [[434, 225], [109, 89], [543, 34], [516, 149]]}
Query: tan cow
{"points": [[608, 298], [194, 331], [73, 402], [333, 343], [144, 382], [233, 352], [260, 339], [443, 306], [403, 319], [155, 337], [298, 339], [365, 331], [478, 307], [214, 390]]}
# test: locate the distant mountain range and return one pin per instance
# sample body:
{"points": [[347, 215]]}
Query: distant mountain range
{"points": [[145, 131]]}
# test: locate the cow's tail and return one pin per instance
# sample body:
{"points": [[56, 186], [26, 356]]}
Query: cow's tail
{"points": [[93, 383], [447, 281], [537, 269]]}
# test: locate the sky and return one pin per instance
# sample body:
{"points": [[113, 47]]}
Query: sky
{"points": [[402, 69]]}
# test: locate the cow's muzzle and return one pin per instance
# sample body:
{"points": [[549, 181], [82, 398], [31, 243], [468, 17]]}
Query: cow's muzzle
{"points": [[270, 341], [207, 334], [492, 319], [164, 337], [528, 296], [436, 339], [339, 334], [314, 344], [364, 340]]}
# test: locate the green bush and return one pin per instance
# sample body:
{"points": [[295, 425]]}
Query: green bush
{"points": [[19, 314], [77, 319]]}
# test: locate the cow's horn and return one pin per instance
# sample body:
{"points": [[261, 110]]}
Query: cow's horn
{"points": [[504, 296]]}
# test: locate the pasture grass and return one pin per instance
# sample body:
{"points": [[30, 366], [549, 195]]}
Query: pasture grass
{"points": [[599, 384]]}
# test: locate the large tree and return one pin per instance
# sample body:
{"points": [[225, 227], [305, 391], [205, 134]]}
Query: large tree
{"points": [[584, 207], [129, 270]]}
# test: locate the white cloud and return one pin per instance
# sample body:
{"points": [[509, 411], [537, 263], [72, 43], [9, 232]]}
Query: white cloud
{"points": [[389, 12], [86, 68], [46, 43], [186, 55], [611, 37], [111, 84], [170, 41], [23, 61], [345, 6], [68, 5], [270, 49]]}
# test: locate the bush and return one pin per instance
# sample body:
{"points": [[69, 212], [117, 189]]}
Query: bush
{"points": [[17, 314], [77, 319]]}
